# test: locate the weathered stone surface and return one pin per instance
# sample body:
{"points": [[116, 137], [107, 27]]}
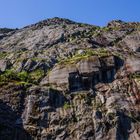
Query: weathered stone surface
{"points": [[133, 64], [60, 75], [70, 81], [93, 69], [132, 41], [4, 64], [89, 66]]}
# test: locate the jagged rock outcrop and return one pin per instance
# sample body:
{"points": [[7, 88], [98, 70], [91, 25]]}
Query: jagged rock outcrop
{"points": [[84, 74], [62, 80], [4, 32]]}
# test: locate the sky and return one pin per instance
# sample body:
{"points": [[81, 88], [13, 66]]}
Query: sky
{"points": [[20, 13]]}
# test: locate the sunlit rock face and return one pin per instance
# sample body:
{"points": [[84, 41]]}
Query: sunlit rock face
{"points": [[85, 74], [62, 80]]}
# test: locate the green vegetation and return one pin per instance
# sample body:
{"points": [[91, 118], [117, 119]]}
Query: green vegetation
{"points": [[37, 59], [3, 55], [3, 83], [87, 53], [83, 34], [118, 55], [22, 83], [135, 76], [67, 105], [105, 29], [36, 75], [8, 75], [21, 78]]}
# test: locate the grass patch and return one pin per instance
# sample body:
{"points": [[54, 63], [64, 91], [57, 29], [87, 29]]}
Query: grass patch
{"points": [[67, 105], [7, 76], [118, 55], [82, 34], [101, 52], [3, 55], [36, 75], [135, 76], [22, 83], [21, 78]]}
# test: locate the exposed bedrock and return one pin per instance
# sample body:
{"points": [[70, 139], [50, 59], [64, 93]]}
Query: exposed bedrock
{"points": [[85, 74], [62, 80]]}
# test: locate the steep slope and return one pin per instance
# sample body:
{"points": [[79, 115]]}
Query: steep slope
{"points": [[62, 80]]}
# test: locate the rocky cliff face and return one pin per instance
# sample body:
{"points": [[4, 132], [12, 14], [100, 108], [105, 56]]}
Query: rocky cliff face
{"points": [[62, 80]]}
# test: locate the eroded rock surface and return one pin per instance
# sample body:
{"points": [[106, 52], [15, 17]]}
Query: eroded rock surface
{"points": [[62, 80]]}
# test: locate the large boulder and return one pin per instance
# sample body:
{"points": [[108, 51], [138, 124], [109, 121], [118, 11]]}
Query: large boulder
{"points": [[89, 65], [60, 75]]}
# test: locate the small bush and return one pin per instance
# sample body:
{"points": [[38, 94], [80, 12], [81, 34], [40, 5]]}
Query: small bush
{"points": [[67, 105], [3, 55], [22, 83], [36, 75], [23, 76], [8, 75], [101, 52]]}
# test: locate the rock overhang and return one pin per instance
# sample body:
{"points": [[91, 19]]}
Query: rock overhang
{"points": [[89, 67]]}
